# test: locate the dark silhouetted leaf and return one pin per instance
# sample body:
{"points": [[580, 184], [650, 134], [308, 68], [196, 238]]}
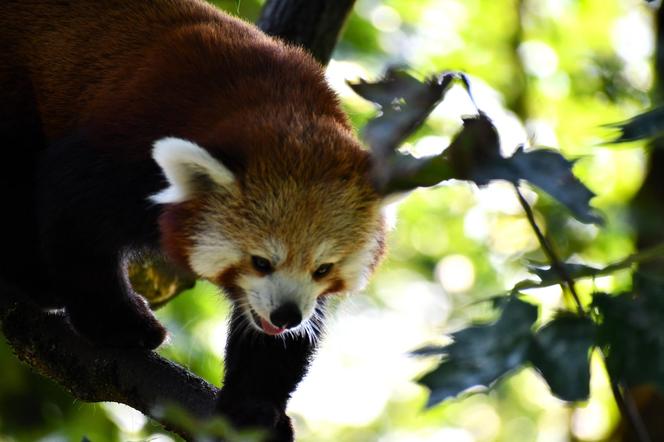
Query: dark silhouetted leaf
{"points": [[549, 276], [552, 173], [474, 148], [645, 125], [405, 103], [631, 333], [482, 354], [430, 350], [474, 154], [560, 352], [407, 173]]}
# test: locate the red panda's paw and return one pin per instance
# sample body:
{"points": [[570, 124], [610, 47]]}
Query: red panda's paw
{"points": [[127, 326], [257, 414]]}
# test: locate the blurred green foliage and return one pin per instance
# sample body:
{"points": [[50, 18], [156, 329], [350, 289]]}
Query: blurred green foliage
{"points": [[552, 71]]}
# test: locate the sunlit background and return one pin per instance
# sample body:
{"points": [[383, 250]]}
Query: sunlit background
{"points": [[549, 73]]}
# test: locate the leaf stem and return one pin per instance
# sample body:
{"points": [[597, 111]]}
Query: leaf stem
{"points": [[629, 410], [621, 394], [648, 254], [567, 282]]}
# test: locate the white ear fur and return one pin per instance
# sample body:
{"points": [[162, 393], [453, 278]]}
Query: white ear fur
{"points": [[181, 161], [389, 207]]}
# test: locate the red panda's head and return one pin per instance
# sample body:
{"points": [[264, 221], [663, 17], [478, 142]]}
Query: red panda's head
{"points": [[294, 223]]}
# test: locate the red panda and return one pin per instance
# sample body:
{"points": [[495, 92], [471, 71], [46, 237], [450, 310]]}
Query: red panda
{"points": [[170, 127]]}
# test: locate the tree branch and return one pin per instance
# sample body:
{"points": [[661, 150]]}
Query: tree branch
{"points": [[141, 379], [312, 24]]}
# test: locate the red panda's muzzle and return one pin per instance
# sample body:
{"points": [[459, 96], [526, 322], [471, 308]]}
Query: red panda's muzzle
{"points": [[269, 329], [282, 318]]}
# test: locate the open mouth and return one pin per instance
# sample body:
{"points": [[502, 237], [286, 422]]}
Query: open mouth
{"points": [[264, 324]]}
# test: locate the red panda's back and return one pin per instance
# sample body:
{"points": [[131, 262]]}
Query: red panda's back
{"points": [[73, 51]]}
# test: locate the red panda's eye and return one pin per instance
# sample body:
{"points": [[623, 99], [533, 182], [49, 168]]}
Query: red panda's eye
{"points": [[322, 270], [261, 264]]}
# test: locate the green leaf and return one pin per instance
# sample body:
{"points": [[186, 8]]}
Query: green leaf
{"points": [[480, 355], [632, 332], [560, 352], [646, 125], [203, 430]]}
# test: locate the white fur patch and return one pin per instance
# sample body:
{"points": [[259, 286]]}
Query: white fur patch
{"points": [[181, 161], [276, 251], [212, 253], [266, 293], [325, 253], [355, 268], [389, 208]]}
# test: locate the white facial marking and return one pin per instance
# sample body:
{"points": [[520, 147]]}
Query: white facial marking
{"points": [[181, 161], [325, 253], [266, 293], [211, 253], [275, 251], [355, 268], [389, 209]]}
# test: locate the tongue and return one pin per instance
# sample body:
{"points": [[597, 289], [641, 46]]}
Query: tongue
{"points": [[270, 329]]}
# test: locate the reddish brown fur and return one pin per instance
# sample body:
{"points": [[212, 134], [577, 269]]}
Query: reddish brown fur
{"points": [[263, 108], [284, 159], [100, 82], [143, 64], [335, 286], [175, 225], [228, 279], [84, 70]]}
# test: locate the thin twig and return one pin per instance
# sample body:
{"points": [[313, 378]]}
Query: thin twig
{"points": [[645, 255], [648, 254], [622, 396], [629, 409], [567, 282]]}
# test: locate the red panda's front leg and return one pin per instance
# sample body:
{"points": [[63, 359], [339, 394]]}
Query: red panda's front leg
{"points": [[98, 301], [107, 312], [91, 211], [261, 373]]}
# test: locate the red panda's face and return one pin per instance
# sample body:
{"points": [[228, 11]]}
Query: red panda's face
{"points": [[287, 232]]}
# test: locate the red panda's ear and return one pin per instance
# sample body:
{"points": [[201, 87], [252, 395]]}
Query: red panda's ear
{"points": [[185, 164]]}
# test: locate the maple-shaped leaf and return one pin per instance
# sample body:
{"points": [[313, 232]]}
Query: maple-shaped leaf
{"points": [[646, 125], [474, 153], [631, 332], [481, 354], [405, 103], [560, 352]]}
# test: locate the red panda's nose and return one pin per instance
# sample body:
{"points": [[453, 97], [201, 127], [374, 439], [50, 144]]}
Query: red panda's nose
{"points": [[288, 315]]}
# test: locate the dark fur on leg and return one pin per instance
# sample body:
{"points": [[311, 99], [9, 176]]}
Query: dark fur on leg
{"points": [[84, 254], [109, 313], [261, 373]]}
